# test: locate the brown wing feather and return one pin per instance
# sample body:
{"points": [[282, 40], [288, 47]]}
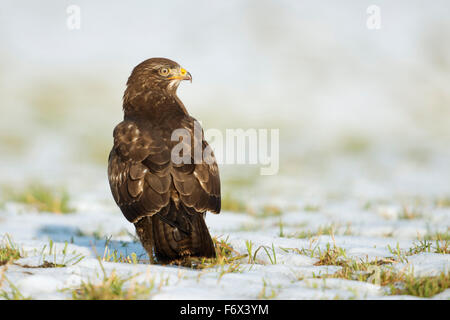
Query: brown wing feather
{"points": [[198, 183], [142, 176], [139, 190]]}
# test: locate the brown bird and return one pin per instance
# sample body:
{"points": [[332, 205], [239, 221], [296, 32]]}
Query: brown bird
{"points": [[165, 199]]}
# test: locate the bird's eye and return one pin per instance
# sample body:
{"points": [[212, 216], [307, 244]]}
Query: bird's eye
{"points": [[164, 71]]}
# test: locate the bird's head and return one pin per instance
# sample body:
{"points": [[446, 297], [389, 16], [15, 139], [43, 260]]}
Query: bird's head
{"points": [[156, 75]]}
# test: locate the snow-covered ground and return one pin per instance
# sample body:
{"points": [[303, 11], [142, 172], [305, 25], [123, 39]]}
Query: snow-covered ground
{"points": [[287, 269]]}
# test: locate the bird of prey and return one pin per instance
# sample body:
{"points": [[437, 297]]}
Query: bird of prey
{"points": [[166, 200]]}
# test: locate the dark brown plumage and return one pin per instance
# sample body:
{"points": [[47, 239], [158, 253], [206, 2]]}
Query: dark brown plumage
{"points": [[167, 202]]}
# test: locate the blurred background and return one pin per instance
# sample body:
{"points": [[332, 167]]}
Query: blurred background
{"points": [[363, 114]]}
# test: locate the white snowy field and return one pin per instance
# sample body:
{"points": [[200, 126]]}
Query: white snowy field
{"points": [[289, 237]]}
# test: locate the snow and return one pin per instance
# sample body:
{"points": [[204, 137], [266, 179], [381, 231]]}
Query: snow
{"points": [[426, 264], [293, 276]]}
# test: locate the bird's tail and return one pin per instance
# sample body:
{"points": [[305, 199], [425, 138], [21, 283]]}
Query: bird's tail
{"points": [[175, 234]]}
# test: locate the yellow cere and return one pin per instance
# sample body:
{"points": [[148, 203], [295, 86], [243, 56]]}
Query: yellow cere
{"points": [[183, 71]]}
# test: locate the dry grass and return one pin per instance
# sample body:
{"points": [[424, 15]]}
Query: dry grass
{"points": [[112, 288], [8, 251], [325, 230], [227, 259], [424, 287], [41, 198], [380, 272], [410, 214], [443, 202], [330, 255], [229, 203], [234, 204], [115, 287]]}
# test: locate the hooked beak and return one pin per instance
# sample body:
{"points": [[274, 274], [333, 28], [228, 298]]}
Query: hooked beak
{"points": [[182, 74]]}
